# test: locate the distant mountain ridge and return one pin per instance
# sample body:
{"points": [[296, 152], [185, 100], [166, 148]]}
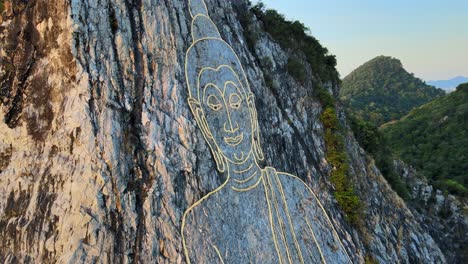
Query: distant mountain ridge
{"points": [[448, 85], [381, 90]]}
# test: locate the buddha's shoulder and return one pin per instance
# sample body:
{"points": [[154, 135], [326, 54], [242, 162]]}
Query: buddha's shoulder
{"points": [[200, 210], [287, 179], [292, 185]]}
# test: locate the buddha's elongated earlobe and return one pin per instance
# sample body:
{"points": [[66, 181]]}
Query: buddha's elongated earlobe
{"points": [[219, 158], [203, 124], [257, 147]]}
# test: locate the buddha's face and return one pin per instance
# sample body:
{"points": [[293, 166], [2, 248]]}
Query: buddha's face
{"points": [[226, 113]]}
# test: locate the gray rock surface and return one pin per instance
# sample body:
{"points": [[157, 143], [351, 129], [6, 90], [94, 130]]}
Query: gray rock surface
{"points": [[100, 155], [443, 215]]}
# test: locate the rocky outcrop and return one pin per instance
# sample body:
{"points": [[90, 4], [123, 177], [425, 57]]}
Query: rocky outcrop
{"points": [[389, 229], [100, 156], [443, 215]]}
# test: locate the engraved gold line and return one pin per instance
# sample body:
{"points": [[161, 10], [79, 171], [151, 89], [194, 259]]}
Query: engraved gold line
{"points": [[219, 254], [271, 220], [190, 208], [237, 88], [326, 215], [238, 138], [205, 68], [228, 115], [229, 46], [202, 15], [246, 189], [315, 240], [289, 217], [246, 180], [242, 171], [190, 7], [283, 236], [218, 68], [261, 178]]}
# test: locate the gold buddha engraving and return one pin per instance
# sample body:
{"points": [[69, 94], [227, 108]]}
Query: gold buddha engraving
{"points": [[258, 215]]}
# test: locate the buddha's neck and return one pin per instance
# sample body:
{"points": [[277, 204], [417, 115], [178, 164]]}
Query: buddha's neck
{"points": [[245, 176]]}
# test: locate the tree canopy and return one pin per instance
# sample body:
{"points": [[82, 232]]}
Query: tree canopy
{"points": [[434, 139], [381, 90]]}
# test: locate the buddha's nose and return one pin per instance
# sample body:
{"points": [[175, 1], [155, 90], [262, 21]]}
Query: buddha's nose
{"points": [[229, 127]]}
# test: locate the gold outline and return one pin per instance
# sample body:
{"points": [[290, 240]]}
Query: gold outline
{"points": [[247, 179], [199, 113], [278, 216], [315, 240], [278, 183], [184, 244], [224, 65], [270, 212], [190, 8], [325, 213], [213, 106], [249, 188], [237, 140], [205, 16], [242, 171], [219, 254]]}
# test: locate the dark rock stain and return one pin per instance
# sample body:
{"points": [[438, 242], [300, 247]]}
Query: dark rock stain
{"points": [[16, 207], [5, 157], [39, 121]]}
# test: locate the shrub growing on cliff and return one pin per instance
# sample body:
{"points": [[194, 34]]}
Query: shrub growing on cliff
{"points": [[294, 35], [2, 6], [251, 32], [296, 69], [344, 193], [373, 141]]}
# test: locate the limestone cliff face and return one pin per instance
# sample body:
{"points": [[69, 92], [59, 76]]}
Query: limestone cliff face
{"points": [[442, 214], [100, 155]]}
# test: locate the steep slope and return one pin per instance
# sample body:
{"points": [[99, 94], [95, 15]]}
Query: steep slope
{"points": [[381, 90], [100, 155], [443, 214], [434, 139]]}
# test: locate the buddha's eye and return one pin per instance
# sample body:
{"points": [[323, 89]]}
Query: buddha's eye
{"points": [[235, 100], [214, 103]]}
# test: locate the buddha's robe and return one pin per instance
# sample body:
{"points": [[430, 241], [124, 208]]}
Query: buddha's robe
{"points": [[278, 221]]}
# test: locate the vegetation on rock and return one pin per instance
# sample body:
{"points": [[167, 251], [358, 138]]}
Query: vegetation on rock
{"points": [[296, 69], [434, 139], [381, 90], [374, 142], [336, 155], [294, 35]]}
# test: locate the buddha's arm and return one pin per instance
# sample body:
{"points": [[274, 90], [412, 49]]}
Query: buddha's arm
{"points": [[196, 244], [320, 227]]}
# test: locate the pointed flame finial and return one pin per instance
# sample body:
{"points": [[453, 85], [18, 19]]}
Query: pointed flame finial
{"points": [[202, 25], [197, 7]]}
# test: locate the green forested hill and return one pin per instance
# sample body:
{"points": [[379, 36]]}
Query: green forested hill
{"points": [[381, 90], [434, 139]]}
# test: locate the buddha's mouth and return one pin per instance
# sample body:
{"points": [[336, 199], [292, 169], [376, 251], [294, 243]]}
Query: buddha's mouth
{"points": [[234, 141]]}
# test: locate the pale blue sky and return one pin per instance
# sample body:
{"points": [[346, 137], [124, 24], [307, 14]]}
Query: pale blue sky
{"points": [[430, 37]]}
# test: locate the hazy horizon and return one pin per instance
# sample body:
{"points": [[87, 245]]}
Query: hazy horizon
{"points": [[427, 36]]}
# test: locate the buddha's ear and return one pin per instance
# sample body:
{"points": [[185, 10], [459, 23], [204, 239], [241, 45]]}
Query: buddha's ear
{"points": [[257, 147], [197, 111], [253, 111]]}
